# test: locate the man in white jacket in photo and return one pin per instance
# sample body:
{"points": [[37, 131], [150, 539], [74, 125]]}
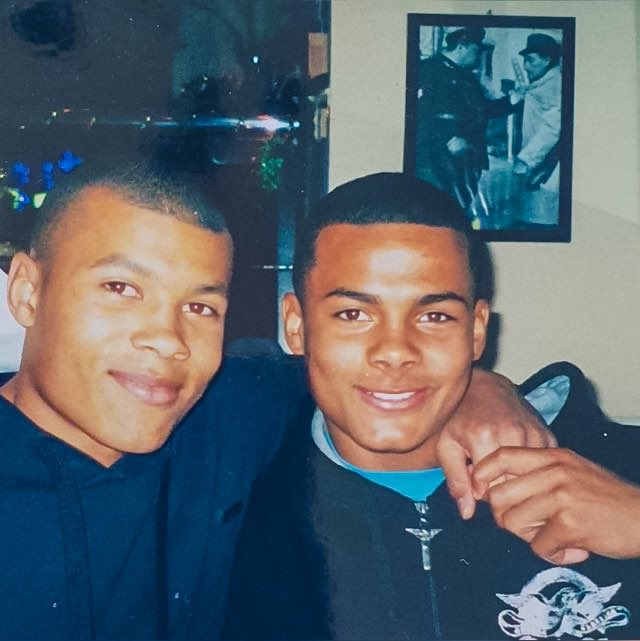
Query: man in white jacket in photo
{"points": [[537, 160]]}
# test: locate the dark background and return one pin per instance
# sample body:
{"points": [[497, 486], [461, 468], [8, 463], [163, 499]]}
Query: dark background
{"points": [[115, 81]]}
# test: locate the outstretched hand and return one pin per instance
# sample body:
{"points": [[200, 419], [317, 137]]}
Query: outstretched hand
{"points": [[492, 414], [563, 505]]}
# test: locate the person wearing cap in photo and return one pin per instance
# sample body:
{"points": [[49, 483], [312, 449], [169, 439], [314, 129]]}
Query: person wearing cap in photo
{"points": [[451, 146], [538, 159]]}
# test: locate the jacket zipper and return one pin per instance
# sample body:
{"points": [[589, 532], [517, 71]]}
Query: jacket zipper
{"points": [[425, 534]]}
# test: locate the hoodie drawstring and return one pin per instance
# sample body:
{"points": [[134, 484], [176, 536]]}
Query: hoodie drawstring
{"points": [[75, 546]]}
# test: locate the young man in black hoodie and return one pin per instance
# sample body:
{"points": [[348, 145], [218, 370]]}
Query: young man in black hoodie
{"points": [[350, 533], [124, 473], [115, 525]]}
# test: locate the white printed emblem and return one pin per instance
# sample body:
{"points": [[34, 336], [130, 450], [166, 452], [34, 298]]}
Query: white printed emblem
{"points": [[561, 603]]}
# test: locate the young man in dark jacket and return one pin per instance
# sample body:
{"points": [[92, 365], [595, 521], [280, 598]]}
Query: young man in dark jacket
{"points": [[350, 533]]}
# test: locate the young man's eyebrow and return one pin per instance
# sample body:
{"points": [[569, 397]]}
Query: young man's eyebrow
{"points": [[441, 297], [427, 299], [341, 292], [221, 288], [121, 260]]}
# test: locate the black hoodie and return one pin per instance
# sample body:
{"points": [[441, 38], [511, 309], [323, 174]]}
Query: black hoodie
{"points": [[140, 550]]}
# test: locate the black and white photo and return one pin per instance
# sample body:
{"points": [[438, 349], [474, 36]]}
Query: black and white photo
{"points": [[489, 113]]}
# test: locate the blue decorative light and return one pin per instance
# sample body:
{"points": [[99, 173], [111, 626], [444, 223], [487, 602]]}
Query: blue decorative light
{"points": [[68, 162], [48, 182], [21, 175]]}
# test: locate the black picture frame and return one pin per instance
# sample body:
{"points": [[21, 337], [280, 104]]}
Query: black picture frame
{"points": [[492, 131]]}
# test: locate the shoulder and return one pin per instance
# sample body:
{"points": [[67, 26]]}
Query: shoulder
{"points": [[433, 63], [292, 458], [583, 427], [435, 67], [548, 85], [244, 411], [256, 380], [580, 413]]}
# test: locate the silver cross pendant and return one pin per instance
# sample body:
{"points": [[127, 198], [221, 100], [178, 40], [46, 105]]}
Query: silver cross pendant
{"points": [[424, 534]]}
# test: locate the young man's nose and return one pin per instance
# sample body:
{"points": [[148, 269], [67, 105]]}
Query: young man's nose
{"points": [[163, 333], [394, 346]]}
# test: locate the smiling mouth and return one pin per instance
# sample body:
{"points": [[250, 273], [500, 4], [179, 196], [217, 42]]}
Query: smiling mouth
{"points": [[393, 401], [151, 390]]}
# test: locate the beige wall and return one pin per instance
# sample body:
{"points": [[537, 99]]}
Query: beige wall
{"points": [[577, 301]]}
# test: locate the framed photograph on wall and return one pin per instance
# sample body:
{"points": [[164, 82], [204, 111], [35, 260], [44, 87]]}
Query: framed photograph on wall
{"points": [[489, 118]]}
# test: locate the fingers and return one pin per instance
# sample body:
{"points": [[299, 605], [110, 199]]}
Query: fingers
{"points": [[551, 537], [519, 508], [552, 531], [569, 556], [483, 447], [489, 438], [550, 544], [453, 459], [562, 504], [513, 461], [539, 508], [492, 415]]}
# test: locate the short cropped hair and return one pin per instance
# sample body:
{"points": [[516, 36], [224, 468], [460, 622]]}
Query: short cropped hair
{"points": [[391, 198], [139, 185]]}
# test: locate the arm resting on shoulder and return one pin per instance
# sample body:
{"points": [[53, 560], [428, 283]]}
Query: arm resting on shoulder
{"points": [[492, 414], [560, 501]]}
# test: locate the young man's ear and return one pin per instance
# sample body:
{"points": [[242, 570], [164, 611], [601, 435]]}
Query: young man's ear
{"points": [[23, 286], [481, 313], [293, 323]]}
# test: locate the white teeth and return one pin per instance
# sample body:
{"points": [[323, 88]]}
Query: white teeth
{"points": [[403, 396]]}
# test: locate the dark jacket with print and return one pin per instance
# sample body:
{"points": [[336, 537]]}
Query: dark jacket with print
{"points": [[326, 554]]}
